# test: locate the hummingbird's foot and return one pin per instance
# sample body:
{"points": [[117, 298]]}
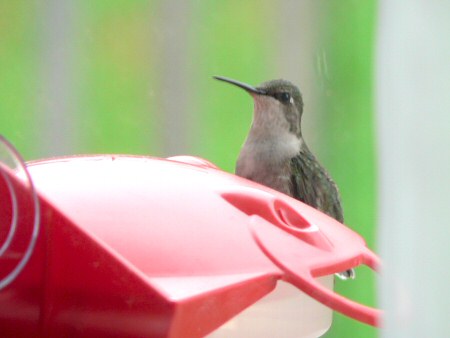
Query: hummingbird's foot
{"points": [[347, 274]]}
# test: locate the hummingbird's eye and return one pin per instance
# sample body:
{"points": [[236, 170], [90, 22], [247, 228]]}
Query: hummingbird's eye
{"points": [[283, 97]]}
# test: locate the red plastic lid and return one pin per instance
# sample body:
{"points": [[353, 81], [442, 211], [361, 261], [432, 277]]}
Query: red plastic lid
{"points": [[170, 247]]}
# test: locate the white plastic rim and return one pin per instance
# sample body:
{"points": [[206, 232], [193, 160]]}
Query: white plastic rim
{"points": [[10, 158]]}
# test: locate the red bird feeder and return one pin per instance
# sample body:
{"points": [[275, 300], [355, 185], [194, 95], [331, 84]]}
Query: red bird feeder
{"points": [[125, 246]]}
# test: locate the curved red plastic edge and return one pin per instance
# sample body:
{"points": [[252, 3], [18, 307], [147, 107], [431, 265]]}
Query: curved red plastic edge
{"points": [[350, 308], [284, 251]]}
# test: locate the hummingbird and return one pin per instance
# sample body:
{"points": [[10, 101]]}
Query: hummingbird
{"points": [[276, 155]]}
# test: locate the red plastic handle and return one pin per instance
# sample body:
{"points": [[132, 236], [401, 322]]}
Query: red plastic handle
{"points": [[293, 259], [331, 299]]}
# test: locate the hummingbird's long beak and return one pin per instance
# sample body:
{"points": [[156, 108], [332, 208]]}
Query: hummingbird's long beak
{"points": [[246, 87]]}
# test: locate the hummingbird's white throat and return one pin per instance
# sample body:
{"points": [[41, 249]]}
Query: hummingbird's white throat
{"points": [[269, 142], [269, 121]]}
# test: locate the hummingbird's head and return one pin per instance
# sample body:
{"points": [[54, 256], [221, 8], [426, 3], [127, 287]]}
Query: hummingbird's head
{"points": [[278, 105]]}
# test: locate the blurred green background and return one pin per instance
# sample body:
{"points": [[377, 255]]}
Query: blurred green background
{"points": [[120, 76]]}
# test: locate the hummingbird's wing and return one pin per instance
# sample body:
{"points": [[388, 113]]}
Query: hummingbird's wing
{"points": [[311, 184]]}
